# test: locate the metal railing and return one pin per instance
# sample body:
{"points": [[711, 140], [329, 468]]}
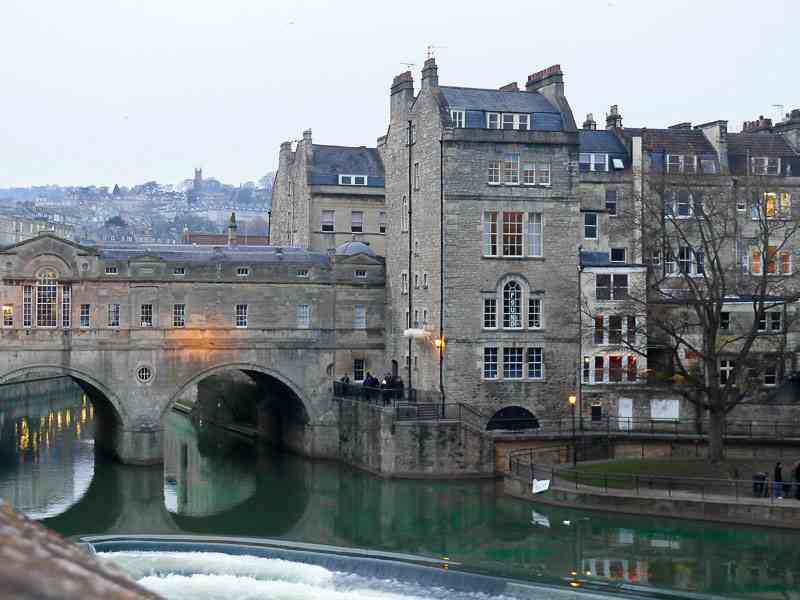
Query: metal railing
{"points": [[383, 396]]}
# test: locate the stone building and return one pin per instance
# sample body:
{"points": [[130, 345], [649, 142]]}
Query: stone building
{"points": [[482, 249], [17, 229], [325, 196]]}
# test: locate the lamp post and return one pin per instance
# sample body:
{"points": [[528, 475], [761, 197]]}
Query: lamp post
{"points": [[572, 401]]}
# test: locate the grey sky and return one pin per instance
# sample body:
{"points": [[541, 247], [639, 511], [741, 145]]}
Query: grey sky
{"points": [[107, 91]]}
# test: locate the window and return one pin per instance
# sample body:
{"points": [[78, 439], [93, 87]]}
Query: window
{"points": [[490, 363], [512, 363], [534, 313], [243, 271], [683, 205], [618, 255], [240, 315], [708, 166], [328, 221], [360, 274], [542, 173], [511, 169], [685, 260], [111, 270], [611, 287], [291, 188], [535, 363], [726, 369], [489, 313], [775, 206], [356, 221], [359, 369], [113, 315], [66, 306], [778, 262], [353, 180], [679, 163], [508, 121], [755, 261], [590, 226], [404, 283], [761, 165], [615, 368], [404, 215], [615, 329], [8, 315], [416, 318], [631, 330], [458, 118], [382, 222], [424, 316], [179, 315], [416, 176], [46, 300], [611, 202], [770, 375], [493, 120], [512, 234], [27, 306], [741, 202], [771, 321], [512, 305], [146, 315], [599, 330], [586, 369], [425, 280], [179, 271], [599, 369], [303, 316], [144, 374], [490, 233], [360, 318], [303, 273], [412, 134], [416, 281], [494, 171], [529, 174], [534, 234], [725, 321], [85, 312], [588, 161]]}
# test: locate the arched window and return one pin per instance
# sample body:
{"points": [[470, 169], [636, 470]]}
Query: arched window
{"points": [[47, 299], [512, 305], [404, 215]]}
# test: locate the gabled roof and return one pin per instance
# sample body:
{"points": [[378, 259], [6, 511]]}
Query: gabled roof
{"points": [[672, 141], [600, 141], [758, 144], [496, 101], [329, 162], [43, 235], [184, 253]]}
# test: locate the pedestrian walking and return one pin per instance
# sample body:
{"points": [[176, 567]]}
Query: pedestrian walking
{"points": [[777, 481]]}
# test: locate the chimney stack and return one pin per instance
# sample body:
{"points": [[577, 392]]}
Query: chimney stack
{"points": [[401, 96], [790, 129], [549, 83], [613, 118], [430, 74], [590, 123], [760, 124], [232, 230], [509, 87]]}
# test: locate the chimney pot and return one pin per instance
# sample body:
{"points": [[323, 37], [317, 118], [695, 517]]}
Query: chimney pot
{"points": [[590, 123], [613, 118]]}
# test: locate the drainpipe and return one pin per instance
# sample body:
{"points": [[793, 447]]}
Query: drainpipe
{"points": [[441, 272], [410, 250], [579, 375]]}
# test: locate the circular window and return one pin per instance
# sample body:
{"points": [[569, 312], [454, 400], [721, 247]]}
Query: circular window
{"points": [[144, 374]]}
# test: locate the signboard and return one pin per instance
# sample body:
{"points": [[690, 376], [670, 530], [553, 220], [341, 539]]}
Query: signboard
{"points": [[540, 485]]}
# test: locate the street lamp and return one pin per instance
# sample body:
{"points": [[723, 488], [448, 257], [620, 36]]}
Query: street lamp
{"points": [[572, 401]]}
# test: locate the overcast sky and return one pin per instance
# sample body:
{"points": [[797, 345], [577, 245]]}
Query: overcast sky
{"points": [[126, 91]]}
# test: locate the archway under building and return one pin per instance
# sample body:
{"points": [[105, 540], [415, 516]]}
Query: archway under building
{"points": [[512, 418]]}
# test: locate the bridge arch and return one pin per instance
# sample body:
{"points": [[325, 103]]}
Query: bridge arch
{"points": [[513, 418]]}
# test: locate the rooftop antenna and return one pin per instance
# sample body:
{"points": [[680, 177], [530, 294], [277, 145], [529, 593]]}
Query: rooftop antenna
{"points": [[432, 48], [778, 112]]}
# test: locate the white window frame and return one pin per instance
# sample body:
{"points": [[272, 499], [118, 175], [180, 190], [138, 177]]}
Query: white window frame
{"points": [[303, 273], [531, 363], [595, 226], [615, 203], [535, 234], [179, 315], [611, 255], [512, 237], [496, 116], [353, 179], [303, 316], [490, 312], [179, 271], [114, 315], [242, 271], [510, 352], [360, 317], [327, 225], [490, 362], [543, 173], [85, 316], [359, 367], [360, 274], [241, 316], [491, 238], [513, 311], [495, 168], [356, 221], [8, 316], [459, 118], [726, 369], [112, 270], [535, 318], [146, 317], [510, 168]]}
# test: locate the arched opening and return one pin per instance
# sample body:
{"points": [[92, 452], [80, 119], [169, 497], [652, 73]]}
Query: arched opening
{"points": [[512, 418], [249, 399]]}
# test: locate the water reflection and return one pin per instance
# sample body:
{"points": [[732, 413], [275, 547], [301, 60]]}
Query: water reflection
{"points": [[216, 483]]}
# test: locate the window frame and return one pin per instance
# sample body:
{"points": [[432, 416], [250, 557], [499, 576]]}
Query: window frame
{"points": [[356, 223], [243, 271], [509, 353], [146, 315], [458, 117], [350, 179], [179, 315], [241, 316], [303, 313], [359, 316], [490, 363], [325, 225], [513, 234], [531, 363], [489, 312], [588, 226], [113, 314]]}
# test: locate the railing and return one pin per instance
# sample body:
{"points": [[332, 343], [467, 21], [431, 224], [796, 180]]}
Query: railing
{"points": [[383, 396], [654, 486]]}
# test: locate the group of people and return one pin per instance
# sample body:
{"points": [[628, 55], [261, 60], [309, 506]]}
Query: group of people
{"points": [[780, 488], [387, 388]]}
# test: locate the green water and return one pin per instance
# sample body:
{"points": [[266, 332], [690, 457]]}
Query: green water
{"points": [[215, 483]]}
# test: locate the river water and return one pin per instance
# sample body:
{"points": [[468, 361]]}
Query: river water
{"points": [[213, 482]]}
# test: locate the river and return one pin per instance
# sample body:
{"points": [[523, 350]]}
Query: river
{"points": [[214, 482]]}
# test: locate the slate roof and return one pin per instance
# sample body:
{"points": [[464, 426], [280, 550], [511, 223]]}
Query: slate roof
{"points": [[353, 248], [331, 161], [673, 141], [758, 144], [600, 141], [185, 253], [496, 101]]}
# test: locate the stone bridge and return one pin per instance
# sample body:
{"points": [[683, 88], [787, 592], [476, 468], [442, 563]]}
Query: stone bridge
{"points": [[138, 328]]}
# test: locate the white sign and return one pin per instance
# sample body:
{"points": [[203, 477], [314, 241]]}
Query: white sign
{"points": [[540, 485], [539, 519]]}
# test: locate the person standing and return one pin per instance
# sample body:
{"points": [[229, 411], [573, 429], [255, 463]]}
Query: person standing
{"points": [[777, 481]]}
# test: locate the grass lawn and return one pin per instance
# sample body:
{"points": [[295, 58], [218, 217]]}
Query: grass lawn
{"points": [[620, 473]]}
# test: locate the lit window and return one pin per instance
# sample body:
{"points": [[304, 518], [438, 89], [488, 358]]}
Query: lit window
{"points": [[489, 313], [240, 315], [490, 233], [512, 363], [458, 118], [243, 271], [535, 363], [360, 318], [8, 316], [328, 221], [512, 305], [113, 315], [534, 313], [46, 300], [512, 234], [356, 221], [590, 226], [146, 315], [179, 315], [490, 363], [303, 316]]}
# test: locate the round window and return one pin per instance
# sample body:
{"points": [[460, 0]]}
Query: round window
{"points": [[144, 374]]}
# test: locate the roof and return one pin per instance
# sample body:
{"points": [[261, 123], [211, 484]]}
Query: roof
{"points": [[673, 141], [329, 162], [496, 101], [353, 248], [600, 141], [602, 259], [186, 253], [758, 144], [221, 239]]}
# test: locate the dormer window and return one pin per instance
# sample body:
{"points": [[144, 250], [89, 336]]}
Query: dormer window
{"points": [[111, 270], [243, 271], [179, 271], [457, 116], [519, 121], [353, 179], [762, 165], [592, 161], [493, 120], [681, 163], [303, 273]]}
